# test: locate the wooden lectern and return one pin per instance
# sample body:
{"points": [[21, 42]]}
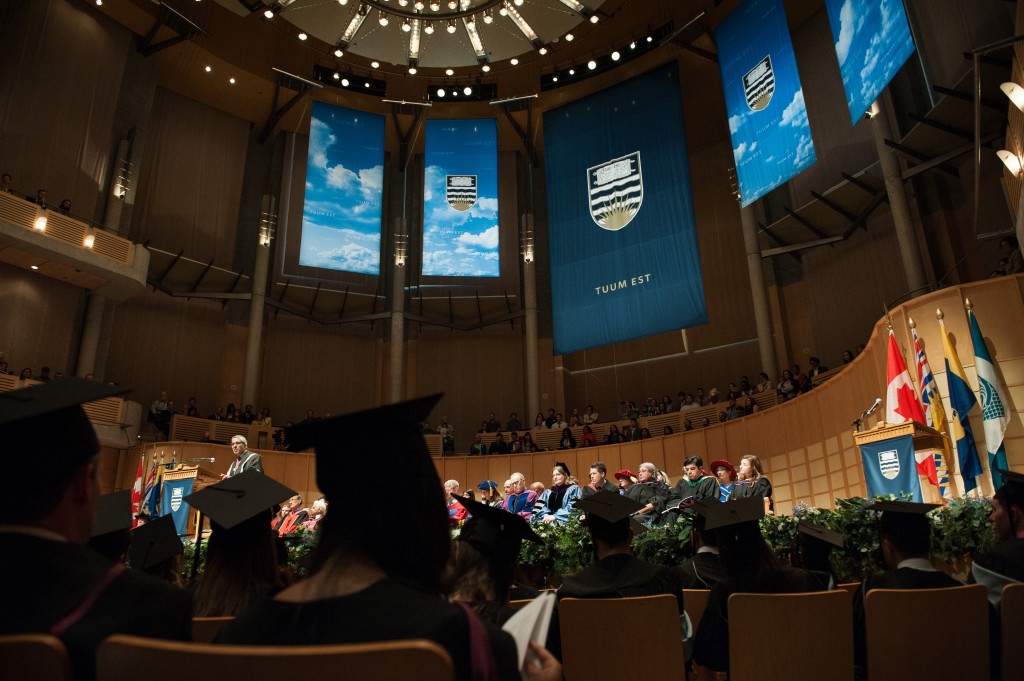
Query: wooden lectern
{"points": [[202, 478], [924, 438]]}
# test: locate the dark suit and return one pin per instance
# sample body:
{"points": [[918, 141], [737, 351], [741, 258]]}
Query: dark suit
{"points": [[702, 571], [43, 581], [250, 461]]}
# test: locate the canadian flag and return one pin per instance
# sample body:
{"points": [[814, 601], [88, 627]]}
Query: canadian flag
{"points": [[137, 496], [901, 404]]}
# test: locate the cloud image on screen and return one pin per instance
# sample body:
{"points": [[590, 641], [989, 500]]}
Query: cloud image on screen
{"points": [[341, 215], [873, 42], [460, 199]]}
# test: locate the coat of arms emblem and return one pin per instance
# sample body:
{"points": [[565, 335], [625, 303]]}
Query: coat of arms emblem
{"points": [[616, 191], [759, 84], [460, 191]]}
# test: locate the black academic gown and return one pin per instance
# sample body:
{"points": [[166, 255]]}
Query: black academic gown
{"points": [[385, 611], [702, 571], [622, 575], [606, 487], [43, 581]]}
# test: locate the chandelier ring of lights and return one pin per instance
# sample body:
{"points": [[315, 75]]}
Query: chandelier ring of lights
{"points": [[439, 15]]}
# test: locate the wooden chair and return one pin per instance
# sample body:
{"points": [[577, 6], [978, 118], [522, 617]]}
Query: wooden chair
{"points": [[33, 657], [899, 621], [615, 629], [849, 587], [1011, 623], [516, 604], [205, 629], [124, 658], [695, 601], [791, 637]]}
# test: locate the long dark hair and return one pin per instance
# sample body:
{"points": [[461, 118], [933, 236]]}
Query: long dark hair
{"points": [[749, 562], [241, 567]]}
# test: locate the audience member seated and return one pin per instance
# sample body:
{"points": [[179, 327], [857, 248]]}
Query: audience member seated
{"points": [[1004, 563], [519, 499], [447, 433], [764, 384], [745, 387], [648, 492], [264, 418], [587, 438], [539, 423], [550, 419], [750, 567], [528, 444], [617, 573], [499, 446], [816, 367], [156, 550], [567, 441], [231, 413], [559, 423], [49, 581], [847, 356], [590, 417], [726, 476], [787, 388], [39, 199], [247, 416], [750, 406], [752, 481], [800, 379], [456, 511], [366, 589], [598, 480], [484, 561], [632, 432], [1010, 248], [478, 447], [557, 501], [44, 375], [5, 184], [192, 410], [513, 424], [492, 425], [614, 436], [489, 493], [292, 516], [734, 411], [316, 514], [65, 207], [904, 535], [695, 485], [704, 569]]}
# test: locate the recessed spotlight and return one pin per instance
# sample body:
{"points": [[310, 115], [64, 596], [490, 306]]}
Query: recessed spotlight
{"points": [[503, 11], [650, 39], [519, 3], [231, 80], [412, 70], [343, 2], [594, 18], [488, 17], [569, 37], [209, 68], [449, 72], [632, 45], [339, 53], [382, 19], [452, 4], [543, 51], [591, 64], [35, 267], [418, 5], [337, 76], [90, 237], [451, 26], [375, 64], [268, 13], [554, 79], [99, 2], [406, 26], [572, 72], [616, 56], [344, 82], [366, 84], [441, 92], [486, 68], [403, 3], [514, 61], [467, 91], [429, 28], [435, 5], [303, 36]]}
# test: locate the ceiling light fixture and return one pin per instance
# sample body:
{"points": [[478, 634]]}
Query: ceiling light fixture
{"points": [[467, 91], [231, 80], [1011, 161], [543, 51], [1015, 93], [339, 53], [412, 70], [406, 25], [345, 82], [451, 26], [594, 18], [449, 72], [591, 64], [514, 62], [209, 68], [616, 56], [268, 13], [303, 36], [486, 68], [441, 92], [435, 6], [375, 64], [382, 18], [569, 37], [429, 28], [35, 267]]}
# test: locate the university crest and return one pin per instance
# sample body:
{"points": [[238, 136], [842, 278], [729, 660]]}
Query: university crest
{"points": [[889, 464], [616, 190], [759, 84], [176, 496], [460, 191]]}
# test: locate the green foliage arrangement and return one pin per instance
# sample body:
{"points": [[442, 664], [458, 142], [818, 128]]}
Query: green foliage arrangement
{"points": [[961, 531]]}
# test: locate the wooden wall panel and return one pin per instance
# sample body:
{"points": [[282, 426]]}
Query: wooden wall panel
{"points": [[41, 333]]}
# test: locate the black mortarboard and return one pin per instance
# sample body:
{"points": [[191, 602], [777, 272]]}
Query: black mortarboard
{"points": [[1012, 489], [904, 507], [564, 466], [718, 515], [48, 419], [389, 436], [495, 532], [154, 542], [822, 534], [240, 497], [608, 506], [113, 513]]}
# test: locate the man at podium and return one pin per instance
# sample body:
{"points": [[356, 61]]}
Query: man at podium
{"points": [[245, 460]]}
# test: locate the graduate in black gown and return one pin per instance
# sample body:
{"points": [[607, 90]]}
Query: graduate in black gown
{"points": [[377, 576], [1004, 564]]}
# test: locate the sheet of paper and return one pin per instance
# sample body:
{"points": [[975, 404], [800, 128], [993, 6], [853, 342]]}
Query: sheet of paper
{"points": [[531, 623]]}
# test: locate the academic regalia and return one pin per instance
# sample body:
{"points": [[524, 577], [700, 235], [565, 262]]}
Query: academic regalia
{"points": [[702, 571]]}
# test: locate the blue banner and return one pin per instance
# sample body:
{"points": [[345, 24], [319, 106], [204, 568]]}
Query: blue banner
{"points": [[341, 217], [624, 257], [771, 138], [890, 467], [872, 42], [460, 199], [173, 503]]}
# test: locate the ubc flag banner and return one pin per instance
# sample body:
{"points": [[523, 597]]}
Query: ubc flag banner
{"points": [[341, 216], [891, 468], [173, 505], [623, 239], [460, 199], [771, 138], [873, 42]]}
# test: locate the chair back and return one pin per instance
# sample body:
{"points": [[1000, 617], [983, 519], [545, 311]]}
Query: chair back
{"points": [[120, 658], [205, 629], [899, 621], [602, 626], [33, 657], [849, 587], [1011, 623], [516, 604], [695, 601], [791, 637]]}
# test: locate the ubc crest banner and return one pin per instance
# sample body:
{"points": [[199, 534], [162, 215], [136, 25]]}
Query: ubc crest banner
{"points": [[173, 503], [623, 241], [771, 138], [891, 468]]}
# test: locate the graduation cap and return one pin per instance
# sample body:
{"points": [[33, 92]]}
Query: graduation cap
{"points": [[389, 436], [1012, 489], [718, 515], [624, 474], [113, 513], [910, 508], [234, 500], [154, 542], [487, 485], [47, 419], [825, 536], [903, 519], [564, 466], [610, 513], [495, 532]]}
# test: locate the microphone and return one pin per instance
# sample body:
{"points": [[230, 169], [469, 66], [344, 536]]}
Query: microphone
{"points": [[871, 410]]}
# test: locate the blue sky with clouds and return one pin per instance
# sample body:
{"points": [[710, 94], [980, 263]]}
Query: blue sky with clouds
{"points": [[341, 216], [461, 243], [774, 144], [873, 42]]}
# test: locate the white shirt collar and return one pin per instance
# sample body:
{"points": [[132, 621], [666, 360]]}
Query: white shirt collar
{"points": [[922, 564], [708, 549]]}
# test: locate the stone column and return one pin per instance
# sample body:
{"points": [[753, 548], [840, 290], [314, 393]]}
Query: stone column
{"points": [[532, 364], [257, 302], [762, 309], [396, 388], [88, 348]]}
